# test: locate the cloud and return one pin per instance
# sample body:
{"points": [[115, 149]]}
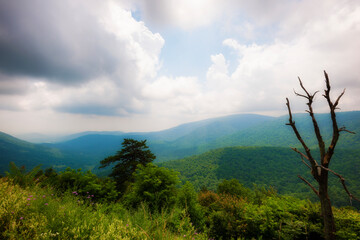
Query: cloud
{"points": [[165, 88], [13, 86], [186, 14], [171, 97], [90, 60], [228, 14], [98, 97], [71, 42], [64, 53], [266, 73]]}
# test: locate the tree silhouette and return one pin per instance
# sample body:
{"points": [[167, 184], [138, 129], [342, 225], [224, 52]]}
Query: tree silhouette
{"points": [[132, 154], [320, 170]]}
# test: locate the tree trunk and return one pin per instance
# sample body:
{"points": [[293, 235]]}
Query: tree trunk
{"points": [[326, 210], [320, 171]]}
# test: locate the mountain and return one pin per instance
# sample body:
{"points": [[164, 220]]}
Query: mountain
{"points": [[25, 154], [276, 133], [85, 150], [174, 143], [54, 138], [256, 130], [267, 166], [29, 155]]}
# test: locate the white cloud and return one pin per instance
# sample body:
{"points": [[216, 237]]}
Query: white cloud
{"points": [[83, 56], [217, 76], [267, 73], [185, 14], [165, 88], [102, 65]]}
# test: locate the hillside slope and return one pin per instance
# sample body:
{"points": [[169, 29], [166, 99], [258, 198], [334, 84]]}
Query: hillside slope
{"points": [[267, 166], [276, 133], [25, 153]]}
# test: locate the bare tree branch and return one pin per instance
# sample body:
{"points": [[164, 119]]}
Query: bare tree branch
{"points": [[307, 150], [301, 154], [338, 99], [302, 159], [309, 184], [310, 98], [343, 129], [317, 170], [315, 124], [342, 179], [302, 86], [300, 95], [326, 160]]}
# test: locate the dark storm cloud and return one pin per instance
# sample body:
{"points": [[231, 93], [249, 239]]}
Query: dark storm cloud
{"points": [[61, 41]]}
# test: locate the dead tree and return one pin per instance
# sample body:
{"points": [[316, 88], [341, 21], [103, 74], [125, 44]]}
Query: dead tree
{"points": [[320, 170]]}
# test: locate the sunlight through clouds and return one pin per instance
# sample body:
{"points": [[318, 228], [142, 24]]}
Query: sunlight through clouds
{"points": [[112, 59]]}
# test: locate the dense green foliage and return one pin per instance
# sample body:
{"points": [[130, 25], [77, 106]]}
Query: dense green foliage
{"points": [[274, 217], [132, 154], [233, 187], [188, 200], [42, 213], [85, 184], [39, 211], [267, 166], [154, 186]]}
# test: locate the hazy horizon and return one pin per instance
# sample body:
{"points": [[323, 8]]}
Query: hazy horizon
{"points": [[140, 66], [52, 137]]}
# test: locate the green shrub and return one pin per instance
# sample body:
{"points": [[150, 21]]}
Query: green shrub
{"points": [[347, 223], [233, 187], [155, 186], [20, 176], [41, 213], [85, 184], [187, 199]]}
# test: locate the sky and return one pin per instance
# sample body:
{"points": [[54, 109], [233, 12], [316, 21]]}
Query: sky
{"points": [[146, 65]]}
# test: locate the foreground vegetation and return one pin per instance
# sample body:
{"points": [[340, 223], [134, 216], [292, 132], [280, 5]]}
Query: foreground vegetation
{"points": [[43, 213], [78, 205]]}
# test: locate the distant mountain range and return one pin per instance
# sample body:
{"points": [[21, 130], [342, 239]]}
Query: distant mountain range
{"points": [[85, 150]]}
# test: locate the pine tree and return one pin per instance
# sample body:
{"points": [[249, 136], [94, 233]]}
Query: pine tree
{"points": [[132, 154]]}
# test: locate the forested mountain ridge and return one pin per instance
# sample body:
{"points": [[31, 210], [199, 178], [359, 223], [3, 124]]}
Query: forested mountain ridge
{"points": [[236, 130], [276, 133], [25, 154], [267, 166], [185, 140]]}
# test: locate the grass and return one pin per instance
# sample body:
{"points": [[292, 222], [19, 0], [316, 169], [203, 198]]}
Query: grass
{"points": [[42, 213], [35, 212]]}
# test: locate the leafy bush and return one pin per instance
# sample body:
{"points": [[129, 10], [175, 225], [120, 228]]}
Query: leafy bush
{"points": [[233, 187], [21, 177], [348, 223], [85, 184], [269, 217], [187, 199], [155, 186]]}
